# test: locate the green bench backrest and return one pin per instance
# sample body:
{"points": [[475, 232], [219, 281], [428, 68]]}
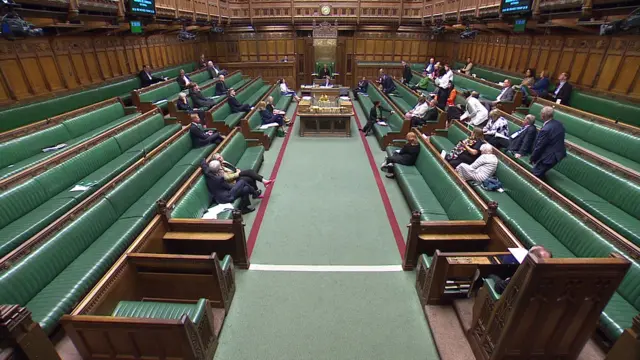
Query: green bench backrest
{"points": [[131, 189], [250, 90], [485, 90], [570, 231], [408, 96], [30, 145], [161, 93], [619, 110], [495, 76], [395, 121], [161, 310], [30, 275], [17, 116], [233, 151], [609, 186], [453, 200], [194, 203], [602, 136], [255, 120], [200, 77], [230, 81]]}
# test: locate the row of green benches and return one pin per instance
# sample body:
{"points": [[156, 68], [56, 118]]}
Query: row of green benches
{"points": [[618, 110], [251, 127], [53, 275], [615, 144], [530, 214], [71, 129], [611, 198], [31, 206], [396, 126], [538, 220], [21, 115]]}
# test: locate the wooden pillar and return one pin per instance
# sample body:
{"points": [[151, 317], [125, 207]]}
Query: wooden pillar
{"points": [[628, 345], [20, 332]]}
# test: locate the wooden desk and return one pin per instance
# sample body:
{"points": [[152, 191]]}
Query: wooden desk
{"points": [[318, 91], [319, 124]]}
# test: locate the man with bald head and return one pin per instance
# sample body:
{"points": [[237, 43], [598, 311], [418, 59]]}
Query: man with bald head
{"points": [[549, 147]]}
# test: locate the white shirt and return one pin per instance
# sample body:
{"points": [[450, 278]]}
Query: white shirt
{"points": [[501, 93], [284, 88], [559, 87], [444, 81], [420, 109], [186, 81], [476, 112]]}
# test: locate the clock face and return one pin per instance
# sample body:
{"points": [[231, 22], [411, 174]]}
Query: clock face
{"points": [[325, 10]]}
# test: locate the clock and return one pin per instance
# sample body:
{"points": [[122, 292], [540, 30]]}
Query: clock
{"points": [[325, 10]]}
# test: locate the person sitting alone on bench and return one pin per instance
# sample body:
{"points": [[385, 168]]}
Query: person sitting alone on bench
{"points": [[268, 117], [284, 90], [224, 193], [406, 156], [363, 85], [521, 143], [200, 136], [200, 101], [422, 84], [375, 116], [232, 174], [235, 105]]}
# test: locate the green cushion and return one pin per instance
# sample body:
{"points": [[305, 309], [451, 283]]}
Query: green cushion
{"points": [[160, 310], [491, 286]]}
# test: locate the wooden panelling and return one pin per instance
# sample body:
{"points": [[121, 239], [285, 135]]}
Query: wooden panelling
{"points": [[270, 72], [253, 47], [606, 64], [41, 67]]}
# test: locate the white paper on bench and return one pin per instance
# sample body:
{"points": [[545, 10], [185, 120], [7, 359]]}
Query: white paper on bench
{"points": [[213, 212], [160, 102], [518, 253], [266, 126]]}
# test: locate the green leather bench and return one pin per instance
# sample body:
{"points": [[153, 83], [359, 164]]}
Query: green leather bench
{"points": [[610, 143], [26, 151], [31, 206], [51, 279], [428, 188], [618, 110], [197, 200], [537, 220], [462, 83], [249, 95], [22, 115], [280, 102], [162, 95], [161, 310], [394, 121]]}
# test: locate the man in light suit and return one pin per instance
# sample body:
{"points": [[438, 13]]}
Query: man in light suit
{"points": [[549, 147], [183, 80], [146, 78], [506, 95], [563, 90]]}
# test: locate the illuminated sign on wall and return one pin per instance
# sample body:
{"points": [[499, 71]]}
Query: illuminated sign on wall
{"points": [[515, 6], [143, 7]]}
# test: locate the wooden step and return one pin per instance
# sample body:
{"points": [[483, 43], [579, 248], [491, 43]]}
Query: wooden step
{"points": [[454, 237], [198, 236]]}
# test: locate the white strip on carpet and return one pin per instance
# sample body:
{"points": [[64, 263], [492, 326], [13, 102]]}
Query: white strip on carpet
{"points": [[326, 268]]}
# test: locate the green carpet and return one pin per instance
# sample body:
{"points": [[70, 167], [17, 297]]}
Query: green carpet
{"points": [[325, 209]]}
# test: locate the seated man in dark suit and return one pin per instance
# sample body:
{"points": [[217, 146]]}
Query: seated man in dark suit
{"points": [[202, 137], [183, 80], [521, 143], [146, 78], [213, 70], [324, 72], [362, 87], [183, 105], [235, 105], [549, 147], [388, 86], [506, 95], [563, 90], [221, 86], [222, 191], [406, 73], [200, 101]]}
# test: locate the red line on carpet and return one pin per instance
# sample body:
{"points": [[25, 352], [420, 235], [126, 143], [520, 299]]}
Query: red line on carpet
{"points": [[393, 221], [253, 235]]}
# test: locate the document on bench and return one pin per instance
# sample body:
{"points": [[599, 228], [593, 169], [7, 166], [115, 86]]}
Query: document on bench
{"points": [[518, 253], [266, 126], [159, 102], [213, 212], [54, 148]]}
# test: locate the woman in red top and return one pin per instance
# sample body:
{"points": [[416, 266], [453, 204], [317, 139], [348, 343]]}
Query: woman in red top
{"points": [[451, 100]]}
